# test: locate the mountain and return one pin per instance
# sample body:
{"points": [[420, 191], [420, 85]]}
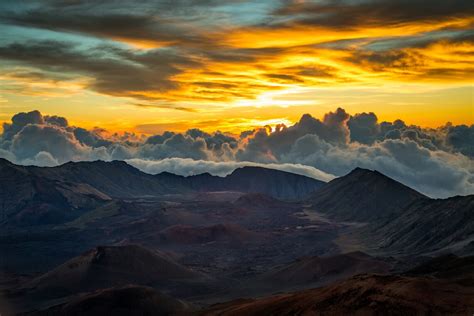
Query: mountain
{"points": [[28, 197], [428, 225], [116, 178], [363, 195], [275, 183], [123, 301], [52, 195], [324, 269], [104, 267]]}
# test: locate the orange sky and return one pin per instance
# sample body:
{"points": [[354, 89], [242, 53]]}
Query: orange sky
{"points": [[240, 73]]}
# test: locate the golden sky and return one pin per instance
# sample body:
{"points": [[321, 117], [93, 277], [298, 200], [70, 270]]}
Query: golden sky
{"points": [[151, 66]]}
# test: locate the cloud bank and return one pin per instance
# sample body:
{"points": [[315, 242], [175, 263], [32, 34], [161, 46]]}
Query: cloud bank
{"points": [[438, 162], [189, 167]]}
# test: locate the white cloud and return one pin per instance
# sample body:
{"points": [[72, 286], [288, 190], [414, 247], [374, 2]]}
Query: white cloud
{"points": [[188, 166]]}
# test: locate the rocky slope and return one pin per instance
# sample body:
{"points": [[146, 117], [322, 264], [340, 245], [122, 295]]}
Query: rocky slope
{"points": [[27, 197], [363, 196], [427, 225]]}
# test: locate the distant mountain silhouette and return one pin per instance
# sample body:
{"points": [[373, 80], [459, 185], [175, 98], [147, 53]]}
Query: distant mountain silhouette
{"points": [[363, 195], [275, 183]]}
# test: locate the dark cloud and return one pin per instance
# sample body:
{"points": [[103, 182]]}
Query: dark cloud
{"points": [[90, 138], [461, 139], [19, 121], [383, 60], [364, 128], [353, 14], [144, 25], [114, 70], [159, 139], [445, 36], [56, 120], [284, 78], [316, 71], [178, 145], [34, 139]]}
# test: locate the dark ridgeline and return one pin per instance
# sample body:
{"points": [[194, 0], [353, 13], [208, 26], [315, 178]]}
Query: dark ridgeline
{"points": [[275, 183]]}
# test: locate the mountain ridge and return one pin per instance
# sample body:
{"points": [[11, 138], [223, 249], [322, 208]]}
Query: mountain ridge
{"points": [[249, 179], [363, 195]]}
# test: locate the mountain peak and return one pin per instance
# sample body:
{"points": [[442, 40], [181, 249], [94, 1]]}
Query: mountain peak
{"points": [[363, 171], [363, 195]]}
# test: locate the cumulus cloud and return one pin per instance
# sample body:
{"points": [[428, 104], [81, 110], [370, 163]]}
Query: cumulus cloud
{"points": [[438, 162], [461, 138], [33, 139], [364, 128]]}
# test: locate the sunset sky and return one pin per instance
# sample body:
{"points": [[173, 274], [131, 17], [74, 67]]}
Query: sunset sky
{"points": [[151, 66]]}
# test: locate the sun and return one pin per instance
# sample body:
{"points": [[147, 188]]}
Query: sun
{"points": [[281, 98]]}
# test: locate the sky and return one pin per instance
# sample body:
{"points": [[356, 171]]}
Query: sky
{"points": [[312, 87], [151, 66]]}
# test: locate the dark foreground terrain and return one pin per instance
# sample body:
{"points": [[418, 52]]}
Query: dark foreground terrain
{"points": [[98, 238]]}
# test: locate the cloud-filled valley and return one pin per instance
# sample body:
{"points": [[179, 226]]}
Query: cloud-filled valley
{"points": [[438, 162]]}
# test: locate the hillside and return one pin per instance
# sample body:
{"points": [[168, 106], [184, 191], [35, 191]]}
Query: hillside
{"points": [[428, 225], [363, 196], [325, 269], [122, 301], [362, 295], [104, 267]]}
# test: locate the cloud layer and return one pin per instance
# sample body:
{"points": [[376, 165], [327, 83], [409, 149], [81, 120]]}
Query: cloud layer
{"points": [[438, 162], [162, 52]]}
